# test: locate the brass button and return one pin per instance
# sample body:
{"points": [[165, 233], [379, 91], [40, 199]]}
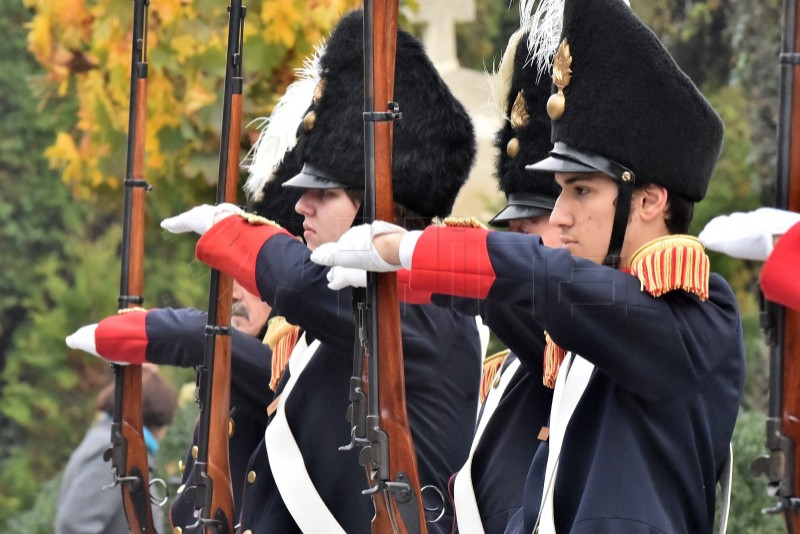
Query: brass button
{"points": [[251, 477], [177, 530], [194, 451], [230, 428], [626, 176], [248, 531]]}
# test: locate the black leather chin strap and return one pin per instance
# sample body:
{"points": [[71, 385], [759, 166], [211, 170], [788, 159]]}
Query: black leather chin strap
{"points": [[623, 209]]}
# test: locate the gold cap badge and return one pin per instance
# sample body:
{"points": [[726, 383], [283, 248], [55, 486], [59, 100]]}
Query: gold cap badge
{"points": [[562, 74]]}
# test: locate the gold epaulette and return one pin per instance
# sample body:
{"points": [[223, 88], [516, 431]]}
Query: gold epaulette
{"points": [[463, 222], [553, 356], [258, 220], [491, 365], [131, 310], [281, 337], [672, 262]]}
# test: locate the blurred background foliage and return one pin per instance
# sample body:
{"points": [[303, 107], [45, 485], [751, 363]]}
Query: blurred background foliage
{"points": [[64, 81]]}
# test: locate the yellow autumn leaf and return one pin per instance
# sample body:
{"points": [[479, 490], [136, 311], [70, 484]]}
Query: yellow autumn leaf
{"points": [[281, 20], [185, 46], [198, 97], [169, 10], [40, 43]]}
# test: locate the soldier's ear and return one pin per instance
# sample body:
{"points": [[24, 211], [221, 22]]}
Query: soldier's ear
{"points": [[650, 202]]}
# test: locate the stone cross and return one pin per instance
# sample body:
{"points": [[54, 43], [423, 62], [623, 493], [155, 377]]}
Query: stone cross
{"points": [[440, 18]]}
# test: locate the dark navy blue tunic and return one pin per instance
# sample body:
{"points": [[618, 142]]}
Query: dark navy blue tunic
{"points": [[442, 373], [647, 441]]}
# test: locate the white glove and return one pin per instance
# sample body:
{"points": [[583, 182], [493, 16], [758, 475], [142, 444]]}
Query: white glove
{"points": [[355, 249], [747, 236], [84, 339], [341, 277], [199, 219]]}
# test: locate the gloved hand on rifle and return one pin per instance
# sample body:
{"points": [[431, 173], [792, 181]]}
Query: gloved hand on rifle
{"points": [[370, 247], [747, 236], [199, 219]]}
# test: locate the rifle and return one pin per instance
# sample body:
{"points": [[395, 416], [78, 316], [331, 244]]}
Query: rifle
{"points": [[128, 454], [212, 490], [388, 452], [782, 325]]}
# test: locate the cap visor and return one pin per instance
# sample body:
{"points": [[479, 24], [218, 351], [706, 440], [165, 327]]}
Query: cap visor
{"points": [[305, 180], [516, 211], [557, 164]]}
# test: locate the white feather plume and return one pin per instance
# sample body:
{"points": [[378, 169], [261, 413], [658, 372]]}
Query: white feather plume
{"points": [[545, 31], [545, 24], [499, 79], [279, 130]]}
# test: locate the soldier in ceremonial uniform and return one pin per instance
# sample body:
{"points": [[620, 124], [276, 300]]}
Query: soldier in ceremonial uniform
{"points": [[298, 480], [648, 390], [171, 336]]}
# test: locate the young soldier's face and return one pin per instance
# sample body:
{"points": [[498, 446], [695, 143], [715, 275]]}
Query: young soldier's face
{"points": [[328, 213], [584, 213]]}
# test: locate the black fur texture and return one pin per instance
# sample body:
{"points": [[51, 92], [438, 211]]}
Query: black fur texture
{"points": [[630, 102], [534, 138], [434, 142]]}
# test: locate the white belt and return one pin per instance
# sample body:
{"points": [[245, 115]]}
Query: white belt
{"points": [[286, 461], [467, 514], [573, 377]]}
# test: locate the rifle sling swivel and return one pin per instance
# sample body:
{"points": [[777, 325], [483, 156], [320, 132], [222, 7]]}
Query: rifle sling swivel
{"points": [[384, 116], [138, 183]]}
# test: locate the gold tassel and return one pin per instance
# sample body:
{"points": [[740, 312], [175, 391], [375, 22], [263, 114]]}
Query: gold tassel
{"points": [[553, 356], [672, 262], [258, 220], [463, 222], [491, 365], [281, 337]]}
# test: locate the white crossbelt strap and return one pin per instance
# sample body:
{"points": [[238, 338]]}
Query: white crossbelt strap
{"points": [[467, 513], [725, 483], [286, 461], [569, 388]]}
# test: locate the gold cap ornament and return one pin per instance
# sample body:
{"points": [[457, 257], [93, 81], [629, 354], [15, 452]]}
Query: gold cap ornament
{"points": [[562, 75]]}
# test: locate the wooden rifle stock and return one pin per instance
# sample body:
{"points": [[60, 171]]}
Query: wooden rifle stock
{"points": [[128, 452], [213, 492], [782, 325], [396, 492], [788, 197]]}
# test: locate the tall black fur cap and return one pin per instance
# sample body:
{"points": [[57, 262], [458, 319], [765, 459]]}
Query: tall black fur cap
{"points": [[276, 202], [434, 142], [534, 137], [629, 101]]}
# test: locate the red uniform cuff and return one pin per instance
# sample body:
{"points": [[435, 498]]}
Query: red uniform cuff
{"points": [[232, 246], [779, 280], [123, 337], [452, 261], [408, 295]]}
